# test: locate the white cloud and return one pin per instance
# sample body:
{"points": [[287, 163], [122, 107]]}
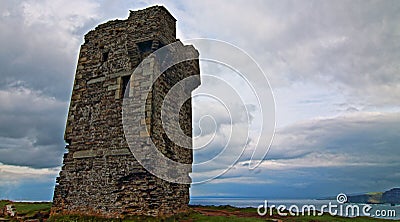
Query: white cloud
{"points": [[10, 174], [59, 19], [241, 180], [317, 160], [19, 98], [347, 46]]}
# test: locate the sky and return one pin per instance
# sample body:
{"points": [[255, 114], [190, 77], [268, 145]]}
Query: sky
{"points": [[332, 67]]}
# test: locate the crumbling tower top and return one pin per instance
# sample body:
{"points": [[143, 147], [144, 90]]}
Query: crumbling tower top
{"points": [[153, 23]]}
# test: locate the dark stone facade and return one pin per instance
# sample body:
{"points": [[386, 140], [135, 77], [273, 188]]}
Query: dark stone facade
{"points": [[100, 176]]}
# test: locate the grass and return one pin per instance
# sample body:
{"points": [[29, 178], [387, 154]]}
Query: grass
{"points": [[190, 216], [328, 218], [28, 209], [23, 207], [3, 203], [31, 210], [76, 218], [200, 218]]}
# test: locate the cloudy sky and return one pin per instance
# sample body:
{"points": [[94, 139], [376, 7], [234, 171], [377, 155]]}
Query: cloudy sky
{"points": [[333, 67]]}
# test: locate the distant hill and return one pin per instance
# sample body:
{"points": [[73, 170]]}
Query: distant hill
{"points": [[388, 197], [370, 198], [392, 196]]}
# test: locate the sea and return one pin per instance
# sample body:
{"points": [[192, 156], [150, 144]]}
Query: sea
{"points": [[392, 212]]}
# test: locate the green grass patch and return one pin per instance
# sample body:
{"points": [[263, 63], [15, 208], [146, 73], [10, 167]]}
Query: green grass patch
{"points": [[329, 218], [200, 218], [197, 217], [23, 207], [79, 218], [3, 203], [32, 210], [29, 209]]}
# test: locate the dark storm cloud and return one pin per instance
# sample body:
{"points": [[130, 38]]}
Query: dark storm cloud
{"points": [[322, 157], [31, 126], [40, 42], [362, 136]]}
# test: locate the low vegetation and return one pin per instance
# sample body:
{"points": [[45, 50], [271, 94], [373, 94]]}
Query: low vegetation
{"points": [[28, 210], [40, 210]]}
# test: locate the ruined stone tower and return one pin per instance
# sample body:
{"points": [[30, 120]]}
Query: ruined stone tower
{"points": [[100, 176]]}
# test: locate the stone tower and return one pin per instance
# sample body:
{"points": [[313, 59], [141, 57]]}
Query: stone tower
{"points": [[100, 176]]}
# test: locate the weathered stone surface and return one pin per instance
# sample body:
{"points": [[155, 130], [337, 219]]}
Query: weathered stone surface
{"points": [[100, 176]]}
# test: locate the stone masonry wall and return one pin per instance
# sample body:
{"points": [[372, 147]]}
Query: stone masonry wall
{"points": [[100, 176]]}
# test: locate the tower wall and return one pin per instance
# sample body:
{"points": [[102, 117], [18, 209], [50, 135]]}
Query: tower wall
{"points": [[100, 176]]}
